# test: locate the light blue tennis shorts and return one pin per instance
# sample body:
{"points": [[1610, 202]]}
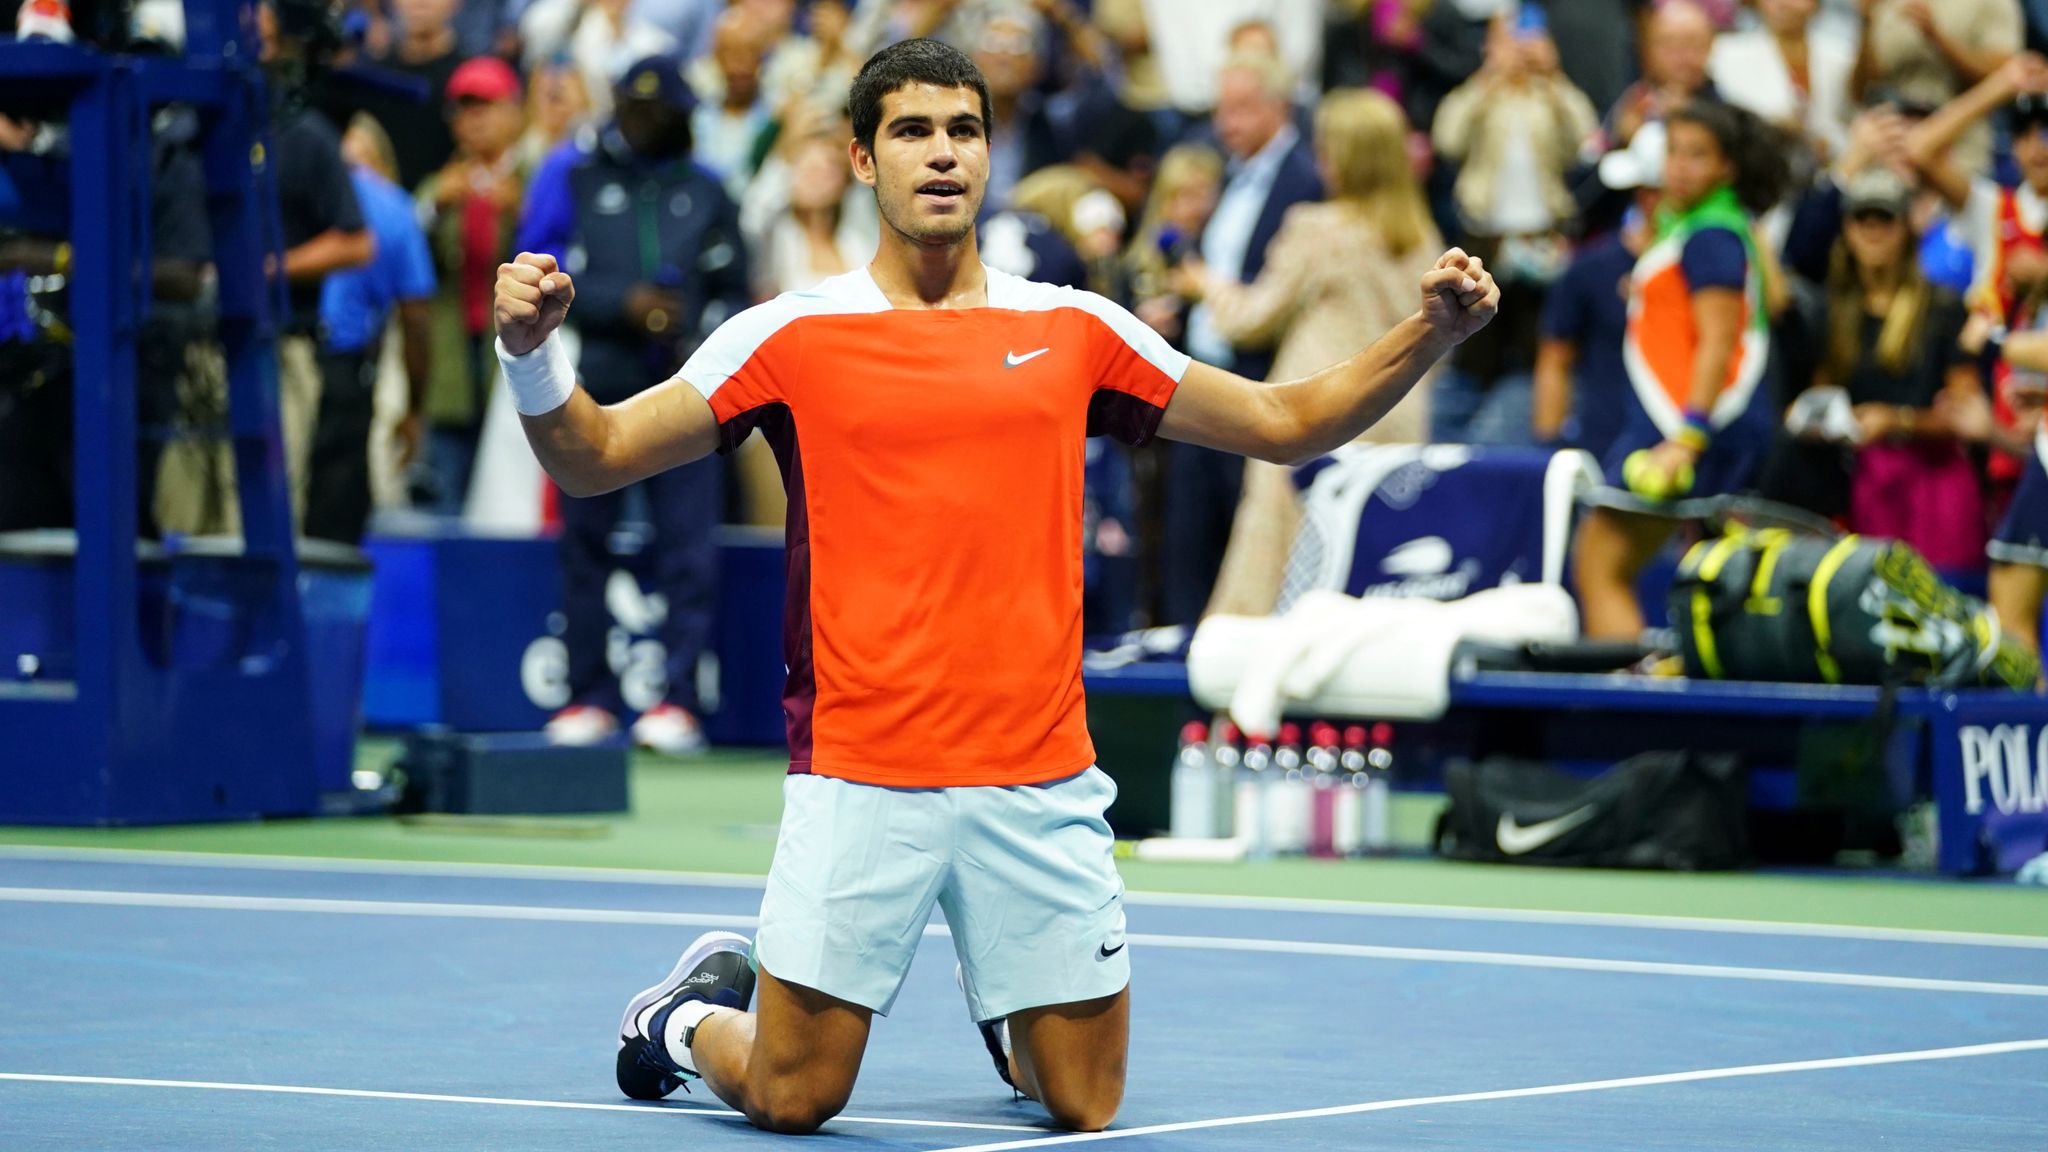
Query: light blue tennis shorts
{"points": [[1026, 876]]}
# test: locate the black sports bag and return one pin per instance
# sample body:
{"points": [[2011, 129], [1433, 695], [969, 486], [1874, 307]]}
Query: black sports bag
{"points": [[1679, 811], [1768, 604]]}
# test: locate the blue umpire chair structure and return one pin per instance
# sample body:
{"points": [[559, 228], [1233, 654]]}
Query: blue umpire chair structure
{"points": [[189, 690]]}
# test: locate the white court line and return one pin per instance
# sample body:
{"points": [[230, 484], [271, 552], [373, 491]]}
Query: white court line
{"points": [[592, 875], [436, 1098], [1589, 964], [322, 906], [586, 874], [330, 907], [1525, 1093], [1587, 919]]}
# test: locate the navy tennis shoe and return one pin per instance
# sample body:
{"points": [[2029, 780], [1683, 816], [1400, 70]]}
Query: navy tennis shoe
{"points": [[715, 969], [994, 1035]]}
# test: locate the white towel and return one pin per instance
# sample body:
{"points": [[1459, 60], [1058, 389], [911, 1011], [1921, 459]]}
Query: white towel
{"points": [[1336, 655]]}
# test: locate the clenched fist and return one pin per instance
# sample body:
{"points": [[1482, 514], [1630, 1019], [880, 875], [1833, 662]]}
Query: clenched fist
{"points": [[533, 296], [1459, 296]]}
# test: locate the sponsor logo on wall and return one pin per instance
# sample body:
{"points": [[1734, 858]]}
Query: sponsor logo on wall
{"points": [[2005, 766]]}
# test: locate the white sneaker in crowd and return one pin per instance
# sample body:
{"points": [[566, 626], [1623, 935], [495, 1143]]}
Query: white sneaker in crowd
{"points": [[580, 725], [669, 729]]}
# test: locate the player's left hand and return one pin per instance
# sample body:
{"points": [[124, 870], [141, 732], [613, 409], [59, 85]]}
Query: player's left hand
{"points": [[1459, 296]]}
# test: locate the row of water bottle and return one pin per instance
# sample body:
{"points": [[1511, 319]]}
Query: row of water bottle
{"points": [[1327, 796]]}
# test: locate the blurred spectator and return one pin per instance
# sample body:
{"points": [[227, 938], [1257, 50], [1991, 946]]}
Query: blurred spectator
{"points": [[1453, 47], [601, 36], [1932, 52], [486, 28], [1271, 170], [557, 104], [36, 399], [1367, 43], [1678, 41], [687, 22], [1140, 85], [178, 316], [2019, 549], [472, 208], [1097, 123], [1698, 349], [355, 306], [1894, 346], [656, 249], [424, 48], [1596, 45], [324, 233], [1021, 140], [817, 67], [1581, 394], [728, 129], [2008, 226], [814, 236], [2001, 221], [1087, 217], [1786, 73], [1515, 128], [880, 22], [1340, 274], [1026, 242], [1190, 179]]}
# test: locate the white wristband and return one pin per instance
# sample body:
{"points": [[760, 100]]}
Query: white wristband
{"points": [[541, 380]]}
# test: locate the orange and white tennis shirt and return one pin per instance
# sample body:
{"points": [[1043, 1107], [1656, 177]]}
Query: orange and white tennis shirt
{"points": [[933, 461]]}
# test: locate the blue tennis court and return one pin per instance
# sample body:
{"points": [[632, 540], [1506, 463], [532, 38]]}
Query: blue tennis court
{"points": [[173, 1002]]}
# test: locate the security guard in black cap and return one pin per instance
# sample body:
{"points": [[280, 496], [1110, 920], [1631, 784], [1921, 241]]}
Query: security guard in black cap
{"points": [[654, 244]]}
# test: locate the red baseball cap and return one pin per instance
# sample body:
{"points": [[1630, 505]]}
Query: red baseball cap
{"points": [[484, 78]]}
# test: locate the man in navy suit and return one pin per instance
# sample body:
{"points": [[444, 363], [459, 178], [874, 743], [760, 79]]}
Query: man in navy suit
{"points": [[1271, 169]]}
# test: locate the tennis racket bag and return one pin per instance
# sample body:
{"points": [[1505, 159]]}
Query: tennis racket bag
{"points": [[1678, 811], [1769, 604]]}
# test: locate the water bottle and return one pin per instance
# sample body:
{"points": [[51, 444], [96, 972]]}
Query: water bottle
{"points": [[1225, 758], [1254, 794], [1193, 785], [1376, 834], [1291, 792], [1352, 769], [1320, 765]]}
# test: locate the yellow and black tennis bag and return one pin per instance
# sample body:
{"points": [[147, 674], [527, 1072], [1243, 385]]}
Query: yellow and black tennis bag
{"points": [[1771, 604]]}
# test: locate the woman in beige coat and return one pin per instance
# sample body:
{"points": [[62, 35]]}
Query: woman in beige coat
{"points": [[1338, 275]]}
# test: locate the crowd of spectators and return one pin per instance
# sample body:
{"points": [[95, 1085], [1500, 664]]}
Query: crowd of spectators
{"points": [[1788, 246]]}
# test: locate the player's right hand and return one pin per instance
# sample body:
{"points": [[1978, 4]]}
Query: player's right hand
{"points": [[532, 298]]}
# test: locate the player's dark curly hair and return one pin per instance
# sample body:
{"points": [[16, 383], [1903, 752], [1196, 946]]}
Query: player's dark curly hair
{"points": [[901, 65], [1756, 149]]}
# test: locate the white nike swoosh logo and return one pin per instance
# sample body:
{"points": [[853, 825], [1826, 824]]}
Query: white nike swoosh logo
{"points": [[1517, 839], [1012, 359]]}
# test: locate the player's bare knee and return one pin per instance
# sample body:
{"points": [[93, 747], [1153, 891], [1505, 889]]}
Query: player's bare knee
{"points": [[1087, 1114], [795, 1105], [1083, 1103], [792, 1113]]}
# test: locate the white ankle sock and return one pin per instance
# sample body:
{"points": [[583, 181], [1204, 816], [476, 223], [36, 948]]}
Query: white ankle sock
{"points": [[674, 1034]]}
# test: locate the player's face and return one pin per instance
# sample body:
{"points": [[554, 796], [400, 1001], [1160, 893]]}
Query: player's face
{"points": [[929, 168]]}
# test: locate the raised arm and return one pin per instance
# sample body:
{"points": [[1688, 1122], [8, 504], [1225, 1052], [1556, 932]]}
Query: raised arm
{"points": [[1298, 420], [1928, 144], [588, 448]]}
